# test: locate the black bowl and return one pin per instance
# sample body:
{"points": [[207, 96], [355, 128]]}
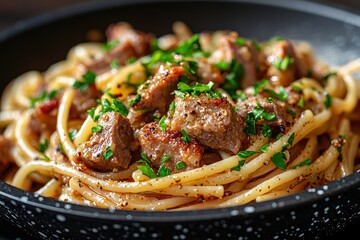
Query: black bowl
{"points": [[313, 214]]}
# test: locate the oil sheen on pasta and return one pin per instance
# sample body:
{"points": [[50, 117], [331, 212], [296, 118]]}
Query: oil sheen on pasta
{"points": [[181, 121]]}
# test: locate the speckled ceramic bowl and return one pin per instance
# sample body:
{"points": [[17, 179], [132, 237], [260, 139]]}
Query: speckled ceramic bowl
{"points": [[312, 214]]}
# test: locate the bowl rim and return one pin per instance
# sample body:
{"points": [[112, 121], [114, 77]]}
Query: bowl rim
{"points": [[312, 195]]}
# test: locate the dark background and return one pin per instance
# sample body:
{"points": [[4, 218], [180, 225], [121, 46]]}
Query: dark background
{"points": [[13, 11]]}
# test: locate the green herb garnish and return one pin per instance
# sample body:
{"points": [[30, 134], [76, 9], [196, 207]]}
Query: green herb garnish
{"points": [[96, 129], [87, 79], [328, 100], [185, 136], [279, 159], [163, 171], [180, 165], [238, 167], [108, 153], [44, 96], [306, 162], [110, 45], [246, 154], [162, 124], [264, 148], [43, 145], [135, 100], [72, 134], [283, 64]]}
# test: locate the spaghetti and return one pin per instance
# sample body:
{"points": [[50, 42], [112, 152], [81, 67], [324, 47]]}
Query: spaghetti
{"points": [[183, 121]]}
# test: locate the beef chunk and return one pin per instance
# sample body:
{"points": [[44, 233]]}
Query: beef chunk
{"points": [[285, 111], [116, 134], [156, 92], [244, 52], [277, 53], [212, 121], [131, 43], [84, 101], [155, 144], [207, 72]]}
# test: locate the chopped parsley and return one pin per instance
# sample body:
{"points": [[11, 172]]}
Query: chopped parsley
{"points": [[61, 149], [165, 158], [283, 64], [96, 129], [232, 79], [44, 96], [195, 90], [240, 41], [291, 112], [114, 64], [328, 100], [264, 148], [188, 48], [110, 45], [260, 85], [266, 131], [45, 158], [72, 134], [87, 79], [301, 102], [180, 165], [222, 65], [172, 106], [252, 116], [163, 171], [306, 162], [108, 153], [185, 136], [131, 60], [279, 159], [135, 100], [238, 167], [148, 171], [162, 124], [246, 154], [106, 106], [296, 88], [282, 95], [43, 145], [291, 139], [328, 75]]}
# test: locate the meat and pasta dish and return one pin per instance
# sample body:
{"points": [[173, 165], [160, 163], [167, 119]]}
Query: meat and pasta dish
{"points": [[180, 121]]}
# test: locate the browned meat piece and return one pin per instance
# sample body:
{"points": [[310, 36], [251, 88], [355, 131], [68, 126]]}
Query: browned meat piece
{"points": [[83, 101], [131, 43], [207, 72], [115, 136], [284, 63], [244, 52], [156, 92], [44, 116], [5, 151], [155, 144], [139, 118], [212, 121], [285, 112]]}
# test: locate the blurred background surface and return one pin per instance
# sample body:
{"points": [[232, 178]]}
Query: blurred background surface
{"points": [[12, 11]]}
